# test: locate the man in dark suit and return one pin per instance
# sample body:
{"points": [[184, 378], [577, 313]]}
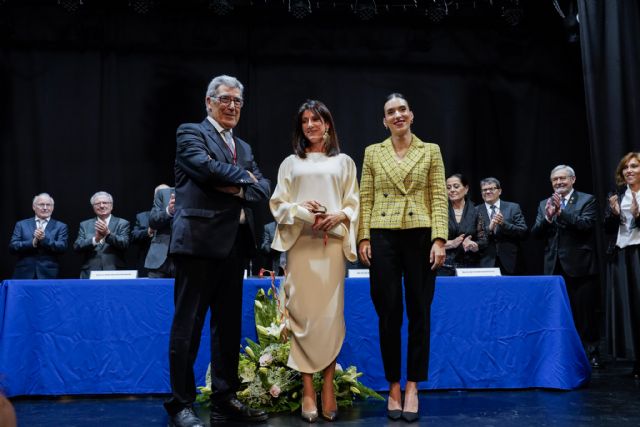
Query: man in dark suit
{"points": [[507, 229], [141, 236], [566, 221], [102, 240], [158, 263], [275, 261], [211, 236], [38, 242]]}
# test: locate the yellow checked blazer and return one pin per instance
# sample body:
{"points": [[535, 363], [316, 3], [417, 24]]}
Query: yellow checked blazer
{"points": [[401, 195]]}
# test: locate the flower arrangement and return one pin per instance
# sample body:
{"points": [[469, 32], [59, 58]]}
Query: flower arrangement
{"points": [[266, 380]]}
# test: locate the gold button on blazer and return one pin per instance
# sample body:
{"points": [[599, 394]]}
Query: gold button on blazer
{"points": [[406, 194]]}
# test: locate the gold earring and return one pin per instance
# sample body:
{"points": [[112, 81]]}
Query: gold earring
{"points": [[325, 136]]}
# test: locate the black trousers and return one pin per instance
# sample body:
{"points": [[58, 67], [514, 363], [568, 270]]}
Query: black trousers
{"points": [[203, 284], [396, 253], [583, 296]]}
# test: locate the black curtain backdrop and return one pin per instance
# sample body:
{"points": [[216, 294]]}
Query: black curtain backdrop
{"points": [[91, 100], [610, 40]]}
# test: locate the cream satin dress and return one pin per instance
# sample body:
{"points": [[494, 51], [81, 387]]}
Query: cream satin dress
{"points": [[314, 285]]}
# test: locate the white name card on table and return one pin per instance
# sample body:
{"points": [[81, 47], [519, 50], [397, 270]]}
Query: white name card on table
{"points": [[475, 272], [113, 274], [358, 272]]}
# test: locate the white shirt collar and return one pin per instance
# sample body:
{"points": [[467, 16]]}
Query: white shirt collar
{"points": [[219, 128], [496, 204]]}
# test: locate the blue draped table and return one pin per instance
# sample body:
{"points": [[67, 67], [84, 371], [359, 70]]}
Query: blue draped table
{"points": [[62, 337]]}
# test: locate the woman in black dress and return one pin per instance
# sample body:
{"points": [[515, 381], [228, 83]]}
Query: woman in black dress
{"points": [[467, 235]]}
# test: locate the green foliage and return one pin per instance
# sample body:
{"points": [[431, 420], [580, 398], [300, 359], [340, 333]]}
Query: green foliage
{"points": [[266, 380]]}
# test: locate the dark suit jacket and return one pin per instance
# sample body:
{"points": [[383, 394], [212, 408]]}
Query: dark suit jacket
{"points": [[206, 220], [160, 221], [106, 256], [570, 237], [271, 255], [612, 223], [40, 262], [504, 241], [140, 237], [471, 224]]}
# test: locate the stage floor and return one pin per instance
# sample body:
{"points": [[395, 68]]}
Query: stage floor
{"points": [[611, 399]]}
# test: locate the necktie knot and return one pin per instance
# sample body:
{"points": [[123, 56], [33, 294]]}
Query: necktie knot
{"points": [[228, 138]]}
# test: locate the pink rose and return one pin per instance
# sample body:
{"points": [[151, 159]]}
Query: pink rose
{"points": [[275, 390]]}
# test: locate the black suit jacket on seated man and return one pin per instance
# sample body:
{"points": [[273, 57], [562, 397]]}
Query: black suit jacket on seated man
{"points": [[209, 245], [504, 243]]}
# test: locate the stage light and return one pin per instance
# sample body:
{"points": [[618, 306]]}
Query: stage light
{"points": [[437, 10], [141, 6], [365, 10], [221, 7], [70, 5], [300, 8]]}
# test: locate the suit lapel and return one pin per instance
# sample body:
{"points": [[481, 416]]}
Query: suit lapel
{"points": [[215, 142], [398, 171]]}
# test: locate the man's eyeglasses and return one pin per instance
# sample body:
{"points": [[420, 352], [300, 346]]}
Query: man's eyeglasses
{"points": [[101, 203], [489, 190], [226, 100], [44, 205]]}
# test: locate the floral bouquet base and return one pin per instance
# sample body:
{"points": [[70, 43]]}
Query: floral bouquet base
{"points": [[266, 381]]}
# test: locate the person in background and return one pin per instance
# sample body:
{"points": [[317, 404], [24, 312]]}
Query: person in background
{"points": [[622, 225], [275, 261], [38, 242], [467, 234], [102, 240], [402, 232], [158, 262], [505, 232], [566, 222], [141, 236]]}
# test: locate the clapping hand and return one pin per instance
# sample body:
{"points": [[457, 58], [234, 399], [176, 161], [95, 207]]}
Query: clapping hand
{"points": [[469, 245], [635, 209], [498, 219], [102, 230], [452, 244]]}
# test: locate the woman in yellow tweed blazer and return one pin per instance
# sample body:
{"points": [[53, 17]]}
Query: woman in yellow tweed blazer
{"points": [[402, 232]]}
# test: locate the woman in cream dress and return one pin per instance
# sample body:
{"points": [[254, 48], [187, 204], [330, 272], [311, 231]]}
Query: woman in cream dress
{"points": [[315, 204]]}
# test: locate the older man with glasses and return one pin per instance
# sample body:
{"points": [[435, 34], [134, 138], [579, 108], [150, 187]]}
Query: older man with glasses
{"points": [[38, 242], [566, 222], [505, 232], [102, 240]]}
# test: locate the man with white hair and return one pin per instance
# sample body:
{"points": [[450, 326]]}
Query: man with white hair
{"points": [[102, 240], [38, 241], [566, 221]]}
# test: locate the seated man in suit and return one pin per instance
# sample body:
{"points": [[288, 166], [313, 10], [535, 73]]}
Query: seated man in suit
{"points": [[566, 222], [274, 260], [507, 229], [102, 240], [38, 242], [158, 263]]}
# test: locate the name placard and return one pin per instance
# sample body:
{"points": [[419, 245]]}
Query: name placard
{"points": [[470, 272], [113, 274], [358, 272]]}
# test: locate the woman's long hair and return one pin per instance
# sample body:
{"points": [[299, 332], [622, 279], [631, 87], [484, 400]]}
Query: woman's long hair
{"points": [[300, 141]]}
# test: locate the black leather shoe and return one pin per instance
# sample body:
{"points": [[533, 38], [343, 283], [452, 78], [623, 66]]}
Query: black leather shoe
{"points": [[410, 416], [233, 409], [185, 418], [394, 414]]}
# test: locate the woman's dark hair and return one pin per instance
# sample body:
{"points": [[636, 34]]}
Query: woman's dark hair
{"points": [[397, 95], [300, 142], [463, 181]]}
